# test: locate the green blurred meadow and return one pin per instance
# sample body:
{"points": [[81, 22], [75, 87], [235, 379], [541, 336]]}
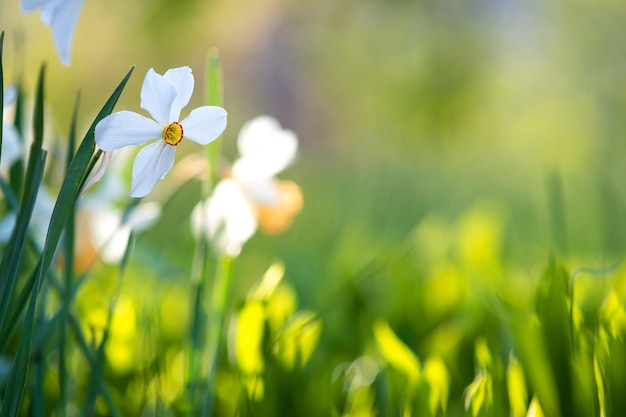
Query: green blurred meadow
{"points": [[460, 247]]}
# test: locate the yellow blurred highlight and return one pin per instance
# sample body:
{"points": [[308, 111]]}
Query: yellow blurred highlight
{"points": [[437, 376], [272, 277], [121, 345], [167, 384], [280, 306], [279, 216], [599, 377], [94, 323], [249, 338], [516, 386], [360, 403], [174, 313], [601, 348], [444, 340], [534, 409], [479, 236], [298, 340], [395, 352], [479, 394], [249, 333], [483, 355], [445, 288], [613, 315]]}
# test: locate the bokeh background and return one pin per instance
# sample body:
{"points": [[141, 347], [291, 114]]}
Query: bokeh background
{"points": [[425, 127]]}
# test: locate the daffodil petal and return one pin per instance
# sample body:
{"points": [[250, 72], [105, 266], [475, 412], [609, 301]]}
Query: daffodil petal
{"points": [[229, 219], [157, 97], [62, 16], [143, 216], [10, 95], [42, 214], [63, 25], [182, 81], [151, 164], [30, 5], [125, 128], [262, 192], [265, 148], [265, 133], [204, 124]]}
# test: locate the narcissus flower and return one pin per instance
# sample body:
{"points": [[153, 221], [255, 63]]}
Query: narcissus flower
{"points": [[229, 218], [61, 16], [252, 197], [102, 227], [163, 96]]}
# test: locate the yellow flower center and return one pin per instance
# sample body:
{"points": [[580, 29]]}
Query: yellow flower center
{"points": [[173, 133]]}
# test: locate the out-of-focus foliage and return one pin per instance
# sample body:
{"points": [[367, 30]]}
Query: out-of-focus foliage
{"points": [[459, 250]]}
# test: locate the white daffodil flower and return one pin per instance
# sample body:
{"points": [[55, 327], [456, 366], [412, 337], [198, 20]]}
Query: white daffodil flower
{"points": [[39, 221], [265, 150], [163, 96], [227, 218], [109, 231], [11, 144], [102, 228], [251, 195], [61, 16]]}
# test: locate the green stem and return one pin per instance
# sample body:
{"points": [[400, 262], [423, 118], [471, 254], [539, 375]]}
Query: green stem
{"points": [[200, 275], [217, 306], [70, 236]]}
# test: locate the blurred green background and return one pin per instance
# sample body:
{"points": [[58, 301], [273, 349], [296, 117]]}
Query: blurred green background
{"points": [[420, 123]]}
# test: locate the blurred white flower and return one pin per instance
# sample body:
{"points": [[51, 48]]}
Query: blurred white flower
{"points": [[252, 197], [109, 230], [229, 217], [39, 221], [163, 96], [102, 228], [61, 16], [11, 145]]}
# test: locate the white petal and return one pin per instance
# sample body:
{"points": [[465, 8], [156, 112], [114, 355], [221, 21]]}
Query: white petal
{"points": [[107, 233], [113, 251], [96, 176], [125, 128], [63, 24], [182, 81], [265, 148], [157, 97], [263, 192], [229, 218], [49, 8], [144, 215], [10, 95], [7, 223], [151, 164], [30, 5], [42, 214], [204, 124], [11, 146]]}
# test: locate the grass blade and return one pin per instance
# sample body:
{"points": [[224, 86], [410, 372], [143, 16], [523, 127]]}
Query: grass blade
{"points": [[17, 379], [12, 257], [97, 366], [1, 88], [68, 194], [68, 252]]}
